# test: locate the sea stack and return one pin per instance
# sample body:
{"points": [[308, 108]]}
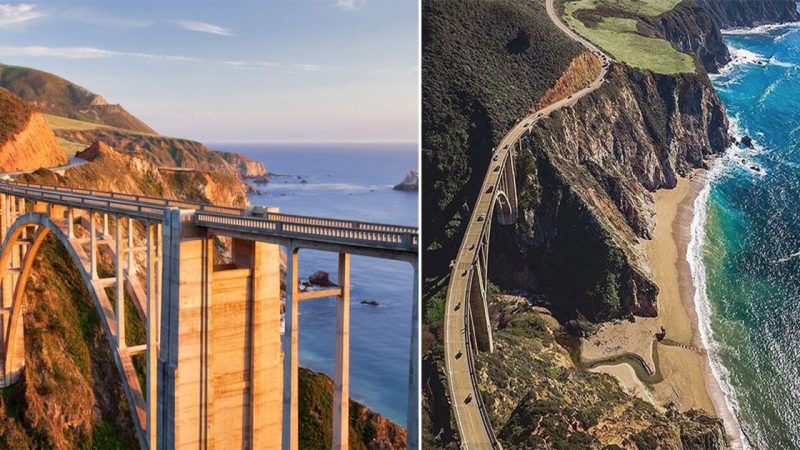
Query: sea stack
{"points": [[410, 183]]}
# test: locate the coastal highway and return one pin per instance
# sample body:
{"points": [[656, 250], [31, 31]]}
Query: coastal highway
{"points": [[471, 419], [73, 162]]}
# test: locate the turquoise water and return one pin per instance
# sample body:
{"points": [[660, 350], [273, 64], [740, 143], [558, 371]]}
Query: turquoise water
{"points": [[351, 182], [747, 262]]}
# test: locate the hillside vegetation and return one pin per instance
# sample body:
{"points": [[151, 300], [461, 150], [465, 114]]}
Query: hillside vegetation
{"points": [[485, 64], [54, 95], [537, 398]]}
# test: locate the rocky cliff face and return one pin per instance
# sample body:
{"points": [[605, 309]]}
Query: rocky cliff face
{"points": [[692, 29], [749, 13], [246, 167], [26, 141], [585, 178], [163, 151]]}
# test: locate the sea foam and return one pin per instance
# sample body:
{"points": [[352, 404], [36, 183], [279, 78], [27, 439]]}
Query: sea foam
{"points": [[694, 256]]}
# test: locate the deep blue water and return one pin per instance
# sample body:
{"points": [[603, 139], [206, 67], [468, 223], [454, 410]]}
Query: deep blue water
{"points": [[351, 182], [750, 252]]}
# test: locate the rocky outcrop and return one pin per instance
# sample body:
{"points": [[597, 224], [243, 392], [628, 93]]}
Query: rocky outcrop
{"points": [[162, 151], [367, 429], [585, 179], [246, 167], [581, 71], [26, 141], [320, 278], [750, 13], [409, 183], [691, 29]]}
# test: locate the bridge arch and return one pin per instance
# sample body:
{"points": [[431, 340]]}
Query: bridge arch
{"points": [[12, 361]]}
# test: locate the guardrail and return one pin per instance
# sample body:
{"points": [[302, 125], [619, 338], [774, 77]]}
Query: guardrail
{"points": [[384, 239], [363, 234], [127, 208], [229, 210]]}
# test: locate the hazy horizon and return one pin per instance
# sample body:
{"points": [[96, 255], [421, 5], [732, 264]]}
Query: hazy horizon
{"points": [[328, 71]]}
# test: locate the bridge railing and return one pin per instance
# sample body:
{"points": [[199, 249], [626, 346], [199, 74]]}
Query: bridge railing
{"points": [[387, 239], [229, 210], [90, 203], [285, 225]]}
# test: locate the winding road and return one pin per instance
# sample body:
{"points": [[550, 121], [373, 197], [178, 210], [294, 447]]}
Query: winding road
{"points": [[472, 421]]}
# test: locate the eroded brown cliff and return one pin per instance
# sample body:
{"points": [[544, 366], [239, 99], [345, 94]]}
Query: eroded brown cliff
{"points": [[26, 141]]}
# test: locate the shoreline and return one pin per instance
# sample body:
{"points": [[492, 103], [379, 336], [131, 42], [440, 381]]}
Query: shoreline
{"points": [[685, 375], [675, 215]]}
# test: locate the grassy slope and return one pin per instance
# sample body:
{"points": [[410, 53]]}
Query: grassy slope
{"points": [[620, 37], [484, 65], [55, 95]]}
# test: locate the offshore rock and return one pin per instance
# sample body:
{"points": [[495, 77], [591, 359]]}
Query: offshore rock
{"points": [[320, 278], [410, 183]]}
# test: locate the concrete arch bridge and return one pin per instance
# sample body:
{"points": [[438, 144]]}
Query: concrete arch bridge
{"points": [[219, 373]]}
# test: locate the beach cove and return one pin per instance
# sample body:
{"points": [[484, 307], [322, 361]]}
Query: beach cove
{"points": [[725, 257]]}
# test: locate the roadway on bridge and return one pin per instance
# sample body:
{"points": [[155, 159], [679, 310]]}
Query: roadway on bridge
{"points": [[472, 421]]}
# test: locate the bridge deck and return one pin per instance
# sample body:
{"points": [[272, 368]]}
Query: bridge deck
{"points": [[368, 238]]}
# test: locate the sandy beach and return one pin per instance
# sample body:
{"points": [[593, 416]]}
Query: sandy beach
{"points": [[682, 361], [685, 367]]}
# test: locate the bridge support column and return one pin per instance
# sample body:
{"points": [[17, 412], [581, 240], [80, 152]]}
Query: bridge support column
{"points": [[120, 275], [479, 308], [341, 371], [70, 223], [219, 378], [290, 348], [93, 245]]}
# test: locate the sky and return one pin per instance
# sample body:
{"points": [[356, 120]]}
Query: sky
{"points": [[234, 71]]}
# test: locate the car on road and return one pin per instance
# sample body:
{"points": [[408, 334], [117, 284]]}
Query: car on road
{"points": [[482, 217], [497, 168], [495, 158], [490, 190]]}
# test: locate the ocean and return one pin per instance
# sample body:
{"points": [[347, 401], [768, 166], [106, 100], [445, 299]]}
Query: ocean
{"points": [[745, 249], [351, 181]]}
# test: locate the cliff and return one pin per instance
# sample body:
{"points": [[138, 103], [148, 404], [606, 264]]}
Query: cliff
{"points": [[691, 29], [585, 178], [246, 167], [537, 398], [26, 142], [750, 13], [163, 151], [54, 95]]}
